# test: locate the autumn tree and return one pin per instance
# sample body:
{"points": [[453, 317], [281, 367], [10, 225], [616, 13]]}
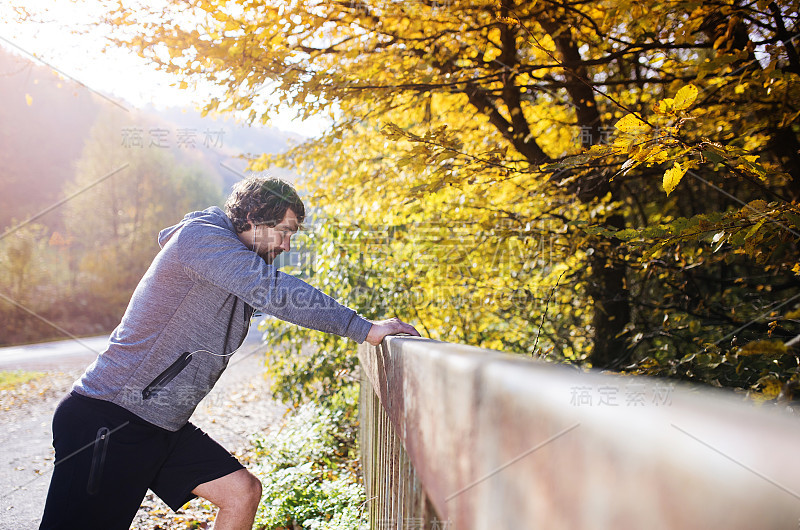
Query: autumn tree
{"points": [[499, 125], [34, 282]]}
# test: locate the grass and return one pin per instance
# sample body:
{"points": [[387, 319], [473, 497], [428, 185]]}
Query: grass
{"points": [[11, 380]]}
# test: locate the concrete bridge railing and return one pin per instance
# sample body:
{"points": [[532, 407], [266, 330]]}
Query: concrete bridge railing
{"points": [[463, 438]]}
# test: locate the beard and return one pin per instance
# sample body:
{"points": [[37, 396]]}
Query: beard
{"points": [[269, 256]]}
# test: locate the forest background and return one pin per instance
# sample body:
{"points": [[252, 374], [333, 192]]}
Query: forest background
{"points": [[610, 184]]}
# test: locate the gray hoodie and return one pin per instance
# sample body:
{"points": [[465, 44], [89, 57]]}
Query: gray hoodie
{"points": [[190, 311]]}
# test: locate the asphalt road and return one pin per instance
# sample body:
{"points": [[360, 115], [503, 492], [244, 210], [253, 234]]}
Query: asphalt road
{"points": [[58, 355], [72, 354]]}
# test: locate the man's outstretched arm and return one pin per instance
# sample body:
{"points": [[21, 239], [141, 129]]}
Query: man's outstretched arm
{"points": [[392, 326]]}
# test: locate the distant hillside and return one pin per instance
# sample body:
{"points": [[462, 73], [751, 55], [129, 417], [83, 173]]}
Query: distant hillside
{"points": [[221, 142], [45, 119]]}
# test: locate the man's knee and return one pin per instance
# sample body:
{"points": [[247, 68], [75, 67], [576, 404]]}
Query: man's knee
{"points": [[246, 490], [239, 490], [251, 488]]}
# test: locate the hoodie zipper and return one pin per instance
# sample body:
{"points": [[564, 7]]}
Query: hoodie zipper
{"points": [[166, 376]]}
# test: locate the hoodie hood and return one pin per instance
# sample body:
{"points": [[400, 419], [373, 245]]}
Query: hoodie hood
{"points": [[213, 215]]}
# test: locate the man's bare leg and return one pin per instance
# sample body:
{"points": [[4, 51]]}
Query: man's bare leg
{"points": [[237, 495]]}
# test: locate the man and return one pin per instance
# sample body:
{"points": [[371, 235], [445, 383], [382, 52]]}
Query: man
{"points": [[125, 427]]}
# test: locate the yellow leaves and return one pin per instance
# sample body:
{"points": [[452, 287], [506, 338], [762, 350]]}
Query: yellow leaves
{"points": [[793, 315], [770, 388], [686, 32], [685, 97], [664, 106], [634, 134], [637, 139], [654, 152], [491, 54], [657, 157], [600, 150], [749, 165], [758, 206], [631, 124], [770, 348], [28, 99], [672, 177]]}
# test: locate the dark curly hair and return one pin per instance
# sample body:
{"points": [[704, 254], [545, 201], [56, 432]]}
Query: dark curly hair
{"points": [[262, 200]]}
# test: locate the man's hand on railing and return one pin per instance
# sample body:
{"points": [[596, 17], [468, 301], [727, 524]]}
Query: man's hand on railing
{"points": [[392, 326]]}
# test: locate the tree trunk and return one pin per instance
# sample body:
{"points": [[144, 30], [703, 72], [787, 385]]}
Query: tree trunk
{"points": [[606, 281], [607, 287]]}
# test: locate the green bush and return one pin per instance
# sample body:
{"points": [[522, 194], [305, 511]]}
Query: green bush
{"points": [[309, 472]]}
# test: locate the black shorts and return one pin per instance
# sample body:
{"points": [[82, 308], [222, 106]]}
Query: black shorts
{"points": [[107, 458]]}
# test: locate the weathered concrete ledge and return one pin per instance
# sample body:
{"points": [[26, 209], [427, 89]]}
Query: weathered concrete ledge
{"points": [[504, 442]]}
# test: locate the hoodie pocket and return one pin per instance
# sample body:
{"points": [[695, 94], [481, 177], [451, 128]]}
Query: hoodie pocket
{"points": [[166, 376]]}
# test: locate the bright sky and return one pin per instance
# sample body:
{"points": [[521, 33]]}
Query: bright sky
{"points": [[118, 74]]}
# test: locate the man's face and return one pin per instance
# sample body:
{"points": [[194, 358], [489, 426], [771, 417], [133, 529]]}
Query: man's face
{"points": [[270, 241]]}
